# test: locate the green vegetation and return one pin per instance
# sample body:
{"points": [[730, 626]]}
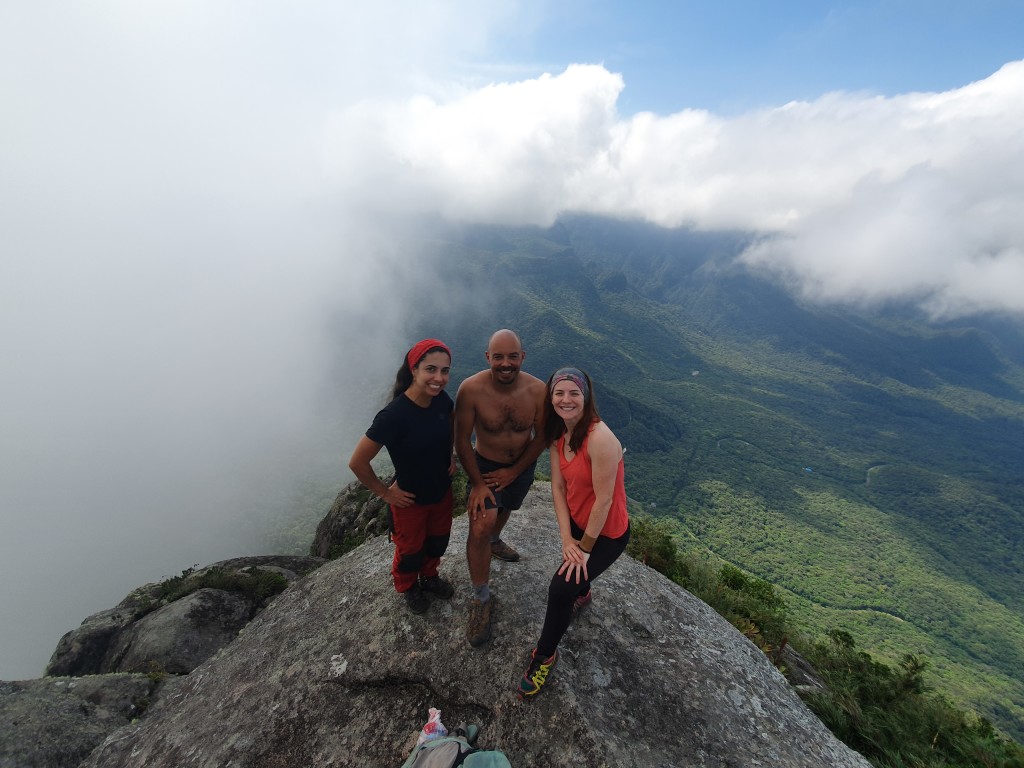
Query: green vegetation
{"points": [[350, 542], [156, 674], [750, 604], [886, 712], [866, 464], [257, 584]]}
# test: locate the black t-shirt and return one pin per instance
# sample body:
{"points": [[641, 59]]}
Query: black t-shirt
{"points": [[419, 441]]}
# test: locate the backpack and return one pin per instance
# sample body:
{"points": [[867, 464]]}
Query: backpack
{"points": [[449, 751]]}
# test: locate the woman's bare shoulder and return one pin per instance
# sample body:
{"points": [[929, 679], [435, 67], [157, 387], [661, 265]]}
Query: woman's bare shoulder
{"points": [[602, 438]]}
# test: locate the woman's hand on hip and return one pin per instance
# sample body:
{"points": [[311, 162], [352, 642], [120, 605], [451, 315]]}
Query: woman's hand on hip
{"points": [[396, 497]]}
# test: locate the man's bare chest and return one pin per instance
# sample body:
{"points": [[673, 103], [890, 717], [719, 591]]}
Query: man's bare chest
{"points": [[507, 416]]}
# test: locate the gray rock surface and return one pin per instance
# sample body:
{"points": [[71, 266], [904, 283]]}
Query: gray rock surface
{"points": [[800, 673], [57, 721], [182, 635], [336, 672], [292, 567], [82, 650], [126, 637]]}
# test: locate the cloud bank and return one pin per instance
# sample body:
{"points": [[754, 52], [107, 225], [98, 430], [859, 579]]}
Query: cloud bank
{"points": [[857, 198]]}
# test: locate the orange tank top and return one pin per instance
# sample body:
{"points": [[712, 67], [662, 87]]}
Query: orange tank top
{"points": [[579, 490]]}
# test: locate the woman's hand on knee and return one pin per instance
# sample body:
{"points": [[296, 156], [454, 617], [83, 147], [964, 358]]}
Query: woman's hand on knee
{"points": [[574, 563]]}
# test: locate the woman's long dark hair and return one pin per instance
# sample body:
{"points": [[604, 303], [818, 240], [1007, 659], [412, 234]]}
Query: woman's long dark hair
{"points": [[403, 379], [554, 426]]}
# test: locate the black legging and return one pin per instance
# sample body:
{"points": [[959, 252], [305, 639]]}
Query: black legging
{"points": [[562, 593]]}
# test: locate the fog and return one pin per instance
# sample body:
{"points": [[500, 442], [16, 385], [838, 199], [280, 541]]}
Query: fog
{"points": [[192, 312], [206, 261]]}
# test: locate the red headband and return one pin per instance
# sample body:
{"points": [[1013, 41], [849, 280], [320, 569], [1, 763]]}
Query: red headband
{"points": [[419, 349]]}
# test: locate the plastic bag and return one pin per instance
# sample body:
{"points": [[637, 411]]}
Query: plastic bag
{"points": [[434, 728]]}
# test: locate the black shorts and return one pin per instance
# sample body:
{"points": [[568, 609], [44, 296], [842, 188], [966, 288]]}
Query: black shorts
{"points": [[511, 496]]}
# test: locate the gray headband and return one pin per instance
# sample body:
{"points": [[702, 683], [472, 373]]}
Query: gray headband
{"points": [[571, 374]]}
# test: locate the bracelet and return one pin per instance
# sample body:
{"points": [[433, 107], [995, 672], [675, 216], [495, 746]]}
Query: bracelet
{"points": [[581, 549], [587, 541]]}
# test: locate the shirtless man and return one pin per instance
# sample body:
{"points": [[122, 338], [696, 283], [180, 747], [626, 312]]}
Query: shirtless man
{"points": [[505, 408]]}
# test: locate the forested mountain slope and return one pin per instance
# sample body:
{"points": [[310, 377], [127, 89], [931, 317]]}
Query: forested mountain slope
{"points": [[867, 463]]}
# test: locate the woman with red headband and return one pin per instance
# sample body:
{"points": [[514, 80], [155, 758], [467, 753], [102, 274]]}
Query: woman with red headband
{"points": [[416, 428], [589, 493]]}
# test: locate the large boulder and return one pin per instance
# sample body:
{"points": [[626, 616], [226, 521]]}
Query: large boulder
{"points": [[355, 516], [147, 632], [56, 722], [82, 650], [179, 637], [337, 672]]}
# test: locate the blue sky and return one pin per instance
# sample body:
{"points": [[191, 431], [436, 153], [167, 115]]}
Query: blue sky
{"points": [[732, 56], [193, 193]]}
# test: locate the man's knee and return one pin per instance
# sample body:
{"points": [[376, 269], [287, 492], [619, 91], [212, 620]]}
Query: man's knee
{"points": [[483, 524]]}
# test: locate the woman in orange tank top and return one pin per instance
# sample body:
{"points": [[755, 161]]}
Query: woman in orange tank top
{"points": [[589, 492]]}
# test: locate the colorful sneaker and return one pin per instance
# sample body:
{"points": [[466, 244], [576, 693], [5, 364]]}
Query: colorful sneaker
{"points": [[581, 602], [503, 551], [435, 585], [536, 674], [478, 631], [415, 600]]}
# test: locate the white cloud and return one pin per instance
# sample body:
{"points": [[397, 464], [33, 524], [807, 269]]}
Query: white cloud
{"points": [[860, 197], [505, 153]]}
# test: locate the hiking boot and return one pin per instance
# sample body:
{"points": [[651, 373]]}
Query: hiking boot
{"points": [[415, 600], [478, 631], [503, 551], [581, 602], [536, 674], [435, 585]]}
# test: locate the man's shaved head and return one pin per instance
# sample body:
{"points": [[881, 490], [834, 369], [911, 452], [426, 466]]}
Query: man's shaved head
{"points": [[503, 336]]}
